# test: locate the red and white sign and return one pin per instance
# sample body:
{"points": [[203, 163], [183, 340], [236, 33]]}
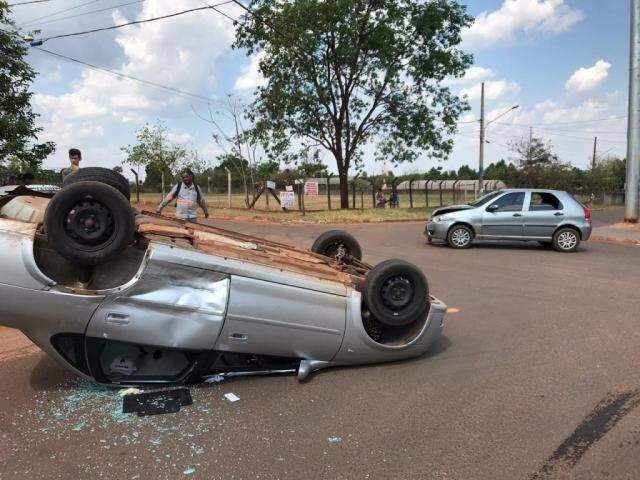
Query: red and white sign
{"points": [[311, 189]]}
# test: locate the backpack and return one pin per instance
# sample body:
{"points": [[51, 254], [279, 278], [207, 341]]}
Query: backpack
{"points": [[179, 187]]}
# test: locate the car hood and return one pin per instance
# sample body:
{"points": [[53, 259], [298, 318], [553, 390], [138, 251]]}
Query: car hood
{"points": [[451, 209]]}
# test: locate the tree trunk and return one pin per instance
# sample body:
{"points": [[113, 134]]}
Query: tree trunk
{"points": [[344, 190]]}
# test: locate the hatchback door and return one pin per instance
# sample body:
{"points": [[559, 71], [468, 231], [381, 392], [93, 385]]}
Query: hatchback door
{"points": [[544, 214], [503, 217]]}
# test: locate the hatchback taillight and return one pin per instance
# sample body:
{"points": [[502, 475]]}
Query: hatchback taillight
{"points": [[587, 213]]}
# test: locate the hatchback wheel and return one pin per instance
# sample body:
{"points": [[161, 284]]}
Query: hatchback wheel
{"points": [[460, 236], [566, 240]]}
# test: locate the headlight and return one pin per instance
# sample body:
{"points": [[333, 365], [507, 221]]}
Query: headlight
{"points": [[440, 218]]}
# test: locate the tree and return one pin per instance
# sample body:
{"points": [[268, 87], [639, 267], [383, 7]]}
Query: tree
{"points": [[266, 170], [19, 148], [155, 152], [346, 73], [465, 172]]}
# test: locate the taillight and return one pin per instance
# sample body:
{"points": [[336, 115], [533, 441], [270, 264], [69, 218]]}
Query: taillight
{"points": [[587, 213]]}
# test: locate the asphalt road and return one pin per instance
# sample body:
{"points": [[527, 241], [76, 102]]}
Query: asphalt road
{"points": [[536, 377]]}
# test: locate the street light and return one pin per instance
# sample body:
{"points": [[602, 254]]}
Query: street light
{"points": [[515, 107]]}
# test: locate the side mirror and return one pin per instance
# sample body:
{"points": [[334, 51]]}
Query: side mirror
{"points": [[492, 208]]}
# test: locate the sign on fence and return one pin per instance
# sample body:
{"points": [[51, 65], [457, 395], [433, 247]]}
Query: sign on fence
{"points": [[289, 188], [287, 199], [311, 189], [271, 185]]}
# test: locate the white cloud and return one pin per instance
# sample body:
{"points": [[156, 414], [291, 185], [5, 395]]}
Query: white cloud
{"points": [[472, 75], [585, 79], [251, 76], [180, 52], [494, 90], [550, 17], [180, 137]]}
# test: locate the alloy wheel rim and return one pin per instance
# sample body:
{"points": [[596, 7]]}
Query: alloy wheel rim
{"points": [[461, 237], [567, 240]]}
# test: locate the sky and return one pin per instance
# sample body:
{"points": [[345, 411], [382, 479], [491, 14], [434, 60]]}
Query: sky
{"points": [[564, 63]]}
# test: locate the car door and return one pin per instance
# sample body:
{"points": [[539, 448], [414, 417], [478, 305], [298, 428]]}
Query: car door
{"points": [[545, 212], [503, 217]]}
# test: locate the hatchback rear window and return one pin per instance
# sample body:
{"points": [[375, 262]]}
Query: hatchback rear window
{"points": [[543, 201]]}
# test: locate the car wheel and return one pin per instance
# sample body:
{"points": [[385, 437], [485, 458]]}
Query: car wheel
{"points": [[89, 222], [102, 175], [566, 240], [396, 293], [337, 243], [460, 236]]}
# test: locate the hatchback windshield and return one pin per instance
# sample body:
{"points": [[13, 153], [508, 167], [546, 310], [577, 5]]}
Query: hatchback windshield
{"points": [[484, 199]]}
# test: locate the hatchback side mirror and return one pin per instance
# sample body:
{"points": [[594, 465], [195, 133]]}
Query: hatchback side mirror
{"points": [[492, 208]]}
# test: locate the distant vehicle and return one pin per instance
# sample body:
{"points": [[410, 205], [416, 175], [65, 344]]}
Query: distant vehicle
{"points": [[135, 298], [550, 217], [7, 189]]}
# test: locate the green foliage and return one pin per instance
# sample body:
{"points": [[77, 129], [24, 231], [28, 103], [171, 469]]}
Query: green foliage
{"points": [[266, 170], [345, 73], [20, 151], [152, 147]]}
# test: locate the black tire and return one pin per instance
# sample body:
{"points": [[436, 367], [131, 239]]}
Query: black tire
{"points": [[328, 243], [102, 175], [460, 237], [566, 240], [89, 222], [396, 293]]}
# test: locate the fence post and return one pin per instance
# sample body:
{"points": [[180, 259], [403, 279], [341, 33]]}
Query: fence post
{"points": [[329, 189], [411, 193], [353, 194], [135, 174], [426, 192], [455, 183], [228, 186], [440, 188], [267, 191]]}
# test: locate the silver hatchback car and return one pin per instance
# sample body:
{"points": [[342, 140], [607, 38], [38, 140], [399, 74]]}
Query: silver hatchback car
{"points": [[550, 217]]}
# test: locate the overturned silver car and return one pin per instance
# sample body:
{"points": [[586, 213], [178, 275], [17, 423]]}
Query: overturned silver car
{"points": [[134, 298]]}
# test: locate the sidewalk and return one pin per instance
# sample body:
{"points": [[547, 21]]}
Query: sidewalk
{"points": [[627, 233]]}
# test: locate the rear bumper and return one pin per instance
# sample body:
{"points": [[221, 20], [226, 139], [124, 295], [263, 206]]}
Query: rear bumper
{"points": [[585, 232]]}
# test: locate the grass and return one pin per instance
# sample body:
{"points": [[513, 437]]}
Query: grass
{"points": [[218, 208], [316, 208]]}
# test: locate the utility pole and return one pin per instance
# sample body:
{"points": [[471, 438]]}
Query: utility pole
{"points": [[595, 152], [481, 159], [633, 128]]}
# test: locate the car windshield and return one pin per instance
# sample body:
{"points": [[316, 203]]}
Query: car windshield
{"points": [[484, 199]]}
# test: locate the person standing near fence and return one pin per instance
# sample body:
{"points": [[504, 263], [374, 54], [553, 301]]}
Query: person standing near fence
{"points": [[188, 197]]}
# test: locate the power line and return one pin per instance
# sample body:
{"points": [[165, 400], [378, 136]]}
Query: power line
{"points": [[135, 22], [29, 22], [202, 98], [27, 3], [90, 12]]}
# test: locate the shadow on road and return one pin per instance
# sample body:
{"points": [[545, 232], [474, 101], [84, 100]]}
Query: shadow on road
{"points": [[48, 375]]}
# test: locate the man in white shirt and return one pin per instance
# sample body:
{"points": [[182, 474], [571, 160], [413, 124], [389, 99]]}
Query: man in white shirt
{"points": [[188, 197]]}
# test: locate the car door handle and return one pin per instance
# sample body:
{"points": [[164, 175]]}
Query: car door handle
{"points": [[117, 318], [517, 214], [239, 337], [559, 214]]}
